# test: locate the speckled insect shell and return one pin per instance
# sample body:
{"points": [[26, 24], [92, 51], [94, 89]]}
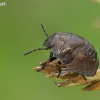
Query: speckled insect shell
{"points": [[75, 52]]}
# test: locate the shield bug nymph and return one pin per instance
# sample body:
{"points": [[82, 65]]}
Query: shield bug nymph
{"points": [[74, 51]]}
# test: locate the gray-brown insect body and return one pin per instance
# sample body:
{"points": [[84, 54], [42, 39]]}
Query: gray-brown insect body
{"points": [[74, 51]]}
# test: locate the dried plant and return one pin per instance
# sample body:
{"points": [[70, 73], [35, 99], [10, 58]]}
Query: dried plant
{"points": [[98, 1], [71, 78]]}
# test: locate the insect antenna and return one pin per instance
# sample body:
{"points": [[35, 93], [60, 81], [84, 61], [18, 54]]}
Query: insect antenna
{"points": [[35, 50], [44, 29]]}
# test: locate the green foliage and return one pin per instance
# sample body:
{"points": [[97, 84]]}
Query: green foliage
{"points": [[20, 31]]}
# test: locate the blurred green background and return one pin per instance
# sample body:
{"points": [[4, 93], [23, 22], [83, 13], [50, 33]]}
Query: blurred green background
{"points": [[20, 32]]}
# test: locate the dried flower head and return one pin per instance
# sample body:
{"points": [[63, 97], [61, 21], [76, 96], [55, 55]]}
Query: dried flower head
{"points": [[71, 78]]}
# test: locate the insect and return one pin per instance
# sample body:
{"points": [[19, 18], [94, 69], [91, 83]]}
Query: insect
{"points": [[74, 51]]}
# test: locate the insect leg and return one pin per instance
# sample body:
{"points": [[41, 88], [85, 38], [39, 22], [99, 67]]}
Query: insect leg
{"points": [[52, 59], [44, 64], [84, 77], [49, 60], [59, 69], [51, 54], [57, 64]]}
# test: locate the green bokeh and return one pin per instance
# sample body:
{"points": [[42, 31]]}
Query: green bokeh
{"points": [[20, 32]]}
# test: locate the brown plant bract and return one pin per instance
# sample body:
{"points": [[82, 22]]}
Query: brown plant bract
{"points": [[71, 78]]}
